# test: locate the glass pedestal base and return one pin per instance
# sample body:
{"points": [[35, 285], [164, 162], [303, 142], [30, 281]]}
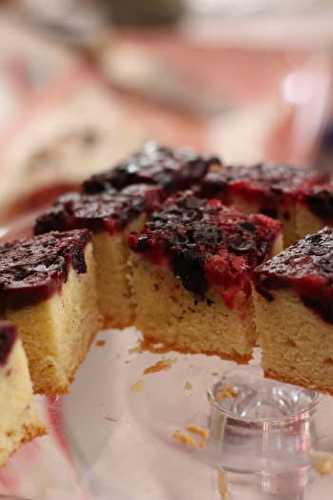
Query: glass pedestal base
{"points": [[263, 428]]}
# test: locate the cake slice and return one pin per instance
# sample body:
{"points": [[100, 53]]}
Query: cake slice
{"points": [[192, 266], [273, 190], [110, 216], [48, 290], [315, 209], [294, 313], [18, 420], [172, 170]]}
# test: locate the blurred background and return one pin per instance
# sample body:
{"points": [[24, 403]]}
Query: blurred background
{"points": [[84, 82]]}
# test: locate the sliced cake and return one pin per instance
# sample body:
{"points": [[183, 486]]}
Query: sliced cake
{"points": [[270, 189], [192, 266], [110, 216], [315, 209], [172, 170], [18, 420], [294, 312], [48, 290]]}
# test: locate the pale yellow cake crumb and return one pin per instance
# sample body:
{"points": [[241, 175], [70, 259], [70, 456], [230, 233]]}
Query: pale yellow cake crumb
{"points": [[136, 349], [323, 463], [138, 386], [202, 432], [100, 343], [185, 439], [159, 366], [188, 386], [222, 485], [227, 392]]}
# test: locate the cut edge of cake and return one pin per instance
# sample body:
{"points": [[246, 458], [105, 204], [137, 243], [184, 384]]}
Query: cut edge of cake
{"points": [[19, 422], [57, 332], [293, 303]]}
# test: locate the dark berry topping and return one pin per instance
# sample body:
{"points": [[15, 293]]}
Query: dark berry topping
{"points": [[206, 243], [8, 336], [110, 211], [32, 270], [267, 185], [173, 170], [319, 199], [307, 268]]}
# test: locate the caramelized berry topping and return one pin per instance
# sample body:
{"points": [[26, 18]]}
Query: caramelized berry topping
{"points": [[32, 270], [173, 170], [206, 243], [307, 268]]}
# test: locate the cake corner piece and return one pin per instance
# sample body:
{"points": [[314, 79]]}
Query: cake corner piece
{"points": [[48, 290], [192, 265], [294, 313]]}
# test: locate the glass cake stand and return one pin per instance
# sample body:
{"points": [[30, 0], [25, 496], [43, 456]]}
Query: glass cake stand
{"points": [[113, 435]]}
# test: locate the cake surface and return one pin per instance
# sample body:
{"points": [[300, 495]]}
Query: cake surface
{"points": [[193, 260], [18, 421], [267, 184], [173, 170], [294, 303], [110, 215], [48, 290], [206, 244], [307, 268], [34, 269], [270, 189], [111, 211]]}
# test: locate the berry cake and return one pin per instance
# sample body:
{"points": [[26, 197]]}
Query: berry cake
{"points": [[294, 311], [172, 170], [18, 421], [270, 189], [48, 290], [110, 216], [192, 266], [315, 209]]}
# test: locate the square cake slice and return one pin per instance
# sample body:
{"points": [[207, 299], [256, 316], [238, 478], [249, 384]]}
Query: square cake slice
{"points": [[315, 209], [273, 190], [48, 290], [18, 420], [192, 266], [171, 169], [294, 313], [110, 216]]}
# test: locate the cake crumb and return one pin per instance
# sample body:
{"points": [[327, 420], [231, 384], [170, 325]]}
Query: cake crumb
{"points": [[154, 347], [185, 439], [188, 386], [138, 386], [323, 463], [228, 391], [136, 348], [222, 485], [202, 432], [100, 343], [163, 364]]}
